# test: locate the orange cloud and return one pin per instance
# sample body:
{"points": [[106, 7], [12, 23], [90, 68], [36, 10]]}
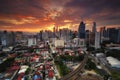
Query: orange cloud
{"points": [[21, 21], [67, 20]]}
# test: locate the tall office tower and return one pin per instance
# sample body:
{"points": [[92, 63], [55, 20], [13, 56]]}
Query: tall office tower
{"points": [[114, 34], [118, 36], [19, 36], [81, 30], [12, 38], [88, 37], [93, 33], [102, 34], [65, 34], [40, 35], [0, 37], [54, 32], [94, 27], [50, 34], [97, 40], [55, 29]]}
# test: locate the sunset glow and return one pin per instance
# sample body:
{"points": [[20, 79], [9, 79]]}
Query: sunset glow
{"points": [[36, 15]]}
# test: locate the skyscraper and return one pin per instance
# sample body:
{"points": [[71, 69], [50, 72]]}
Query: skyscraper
{"points": [[0, 37], [94, 27], [93, 33], [97, 40], [40, 34], [81, 30], [118, 35], [54, 32]]}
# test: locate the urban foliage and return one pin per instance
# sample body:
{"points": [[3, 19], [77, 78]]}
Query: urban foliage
{"points": [[31, 50], [115, 76], [7, 63], [90, 65], [62, 68], [28, 71], [72, 58]]}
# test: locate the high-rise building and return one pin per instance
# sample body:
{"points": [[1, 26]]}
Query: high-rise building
{"points": [[97, 40], [7, 38], [66, 34], [113, 34], [118, 36], [0, 37], [40, 35], [19, 36], [93, 33], [94, 27], [54, 32], [12, 38], [102, 34], [88, 36], [4, 40], [81, 30]]}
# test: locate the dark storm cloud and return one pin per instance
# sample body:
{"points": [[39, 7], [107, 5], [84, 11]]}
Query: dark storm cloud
{"points": [[22, 7], [95, 5], [98, 10]]}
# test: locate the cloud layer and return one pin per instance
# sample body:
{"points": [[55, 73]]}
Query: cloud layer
{"points": [[35, 15]]}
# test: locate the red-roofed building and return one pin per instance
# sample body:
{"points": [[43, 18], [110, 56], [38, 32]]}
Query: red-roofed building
{"points": [[47, 66], [20, 76], [50, 73], [13, 68]]}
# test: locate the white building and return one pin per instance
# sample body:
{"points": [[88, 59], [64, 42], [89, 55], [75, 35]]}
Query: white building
{"points": [[23, 69], [6, 49], [31, 41], [114, 62], [4, 42], [97, 40], [59, 43], [99, 55]]}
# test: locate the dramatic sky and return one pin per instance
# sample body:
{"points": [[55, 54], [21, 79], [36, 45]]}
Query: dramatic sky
{"points": [[36, 15]]}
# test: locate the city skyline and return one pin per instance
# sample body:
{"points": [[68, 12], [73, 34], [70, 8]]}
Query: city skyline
{"points": [[36, 15]]}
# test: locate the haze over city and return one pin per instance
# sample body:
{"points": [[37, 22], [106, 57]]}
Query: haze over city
{"points": [[36, 15]]}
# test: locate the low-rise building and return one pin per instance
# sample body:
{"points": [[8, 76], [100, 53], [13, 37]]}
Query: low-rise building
{"points": [[59, 43], [31, 42], [79, 42], [114, 62]]}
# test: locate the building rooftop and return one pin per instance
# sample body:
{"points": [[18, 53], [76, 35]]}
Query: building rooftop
{"points": [[114, 62]]}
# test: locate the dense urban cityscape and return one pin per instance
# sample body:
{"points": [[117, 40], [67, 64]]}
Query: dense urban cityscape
{"points": [[61, 55], [59, 39]]}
